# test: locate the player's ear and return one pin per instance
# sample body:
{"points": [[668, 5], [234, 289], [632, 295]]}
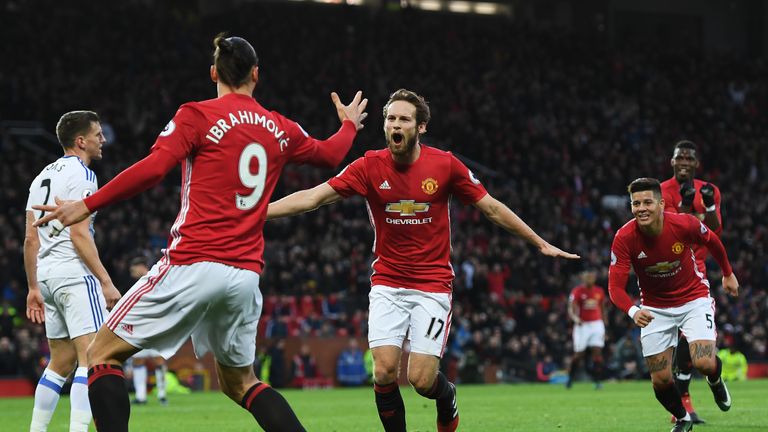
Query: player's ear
{"points": [[422, 128], [214, 75], [80, 142], [255, 74]]}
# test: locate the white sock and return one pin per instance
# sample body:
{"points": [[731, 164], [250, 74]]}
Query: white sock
{"points": [[46, 399], [160, 380], [80, 416], [140, 382]]}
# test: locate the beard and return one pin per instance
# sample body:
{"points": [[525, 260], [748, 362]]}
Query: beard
{"points": [[402, 148]]}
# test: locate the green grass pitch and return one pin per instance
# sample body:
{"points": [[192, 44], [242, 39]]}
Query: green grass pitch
{"points": [[626, 407]]}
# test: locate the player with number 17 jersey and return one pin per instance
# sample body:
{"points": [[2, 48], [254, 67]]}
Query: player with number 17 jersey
{"points": [[409, 209], [232, 151]]}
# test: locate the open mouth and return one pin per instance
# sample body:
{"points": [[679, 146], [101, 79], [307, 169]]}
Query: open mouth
{"points": [[397, 137]]}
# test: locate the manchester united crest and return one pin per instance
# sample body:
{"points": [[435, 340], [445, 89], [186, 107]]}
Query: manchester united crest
{"points": [[429, 186], [678, 248]]}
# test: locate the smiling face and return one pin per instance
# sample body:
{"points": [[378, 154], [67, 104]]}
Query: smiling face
{"points": [[647, 207], [400, 128], [684, 164]]}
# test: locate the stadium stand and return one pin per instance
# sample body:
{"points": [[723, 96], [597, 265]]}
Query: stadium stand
{"points": [[555, 124]]}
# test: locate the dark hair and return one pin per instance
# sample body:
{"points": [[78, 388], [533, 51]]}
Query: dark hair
{"points": [[422, 108], [685, 144], [74, 124], [234, 58], [644, 184]]}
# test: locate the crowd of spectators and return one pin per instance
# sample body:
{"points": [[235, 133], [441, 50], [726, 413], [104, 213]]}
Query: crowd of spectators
{"points": [[554, 123]]}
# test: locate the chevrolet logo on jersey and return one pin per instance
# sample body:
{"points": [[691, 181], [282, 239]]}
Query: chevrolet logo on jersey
{"points": [[407, 207], [663, 268]]}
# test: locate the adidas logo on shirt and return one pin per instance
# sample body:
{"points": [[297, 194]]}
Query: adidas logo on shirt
{"points": [[385, 185], [642, 255]]}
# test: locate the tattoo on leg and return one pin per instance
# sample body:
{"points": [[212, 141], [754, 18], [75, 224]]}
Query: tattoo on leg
{"points": [[656, 365], [702, 351]]}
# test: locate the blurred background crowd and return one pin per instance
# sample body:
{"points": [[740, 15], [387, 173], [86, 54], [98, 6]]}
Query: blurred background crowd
{"points": [[555, 123]]}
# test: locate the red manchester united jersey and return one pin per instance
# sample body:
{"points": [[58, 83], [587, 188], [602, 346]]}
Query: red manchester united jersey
{"points": [[232, 152], [408, 205], [589, 301], [665, 265], [670, 191]]}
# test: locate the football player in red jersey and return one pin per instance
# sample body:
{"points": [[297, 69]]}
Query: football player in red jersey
{"points": [[407, 187], [586, 308], [206, 286], [685, 194], [674, 293]]}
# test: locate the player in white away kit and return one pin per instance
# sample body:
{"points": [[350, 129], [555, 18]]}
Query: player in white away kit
{"points": [[407, 188], [206, 285], [65, 276]]}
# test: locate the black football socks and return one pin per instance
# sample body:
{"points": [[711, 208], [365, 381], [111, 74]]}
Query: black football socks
{"points": [[391, 408], [270, 409], [442, 392], [669, 398], [108, 395]]}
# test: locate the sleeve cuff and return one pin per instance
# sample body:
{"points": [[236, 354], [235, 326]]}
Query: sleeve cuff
{"points": [[632, 311]]}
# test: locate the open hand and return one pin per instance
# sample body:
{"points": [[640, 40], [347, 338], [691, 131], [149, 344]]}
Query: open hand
{"points": [[355, 111]]}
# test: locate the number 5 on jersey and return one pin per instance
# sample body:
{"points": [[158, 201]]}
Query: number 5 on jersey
{"points": [[255, 181]]}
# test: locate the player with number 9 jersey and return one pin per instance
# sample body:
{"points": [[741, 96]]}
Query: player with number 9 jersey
{"points": [[232, 151]]}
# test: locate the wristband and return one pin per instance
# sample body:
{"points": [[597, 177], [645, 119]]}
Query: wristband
{"points": [[632, 311], [711, 208]]}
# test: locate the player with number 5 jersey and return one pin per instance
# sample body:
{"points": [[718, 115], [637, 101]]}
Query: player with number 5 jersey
{"points": [[232, 151], [407, 188]]}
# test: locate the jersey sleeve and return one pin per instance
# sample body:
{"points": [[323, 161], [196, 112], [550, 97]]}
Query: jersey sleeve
{"points": [[719, 230], [303, 148], [618, 273], [180, 136], [352, 180], [81, 187], [32, 198], [700, 234], [466, 187]]}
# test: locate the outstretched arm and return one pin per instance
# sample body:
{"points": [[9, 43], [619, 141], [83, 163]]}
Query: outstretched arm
{"points": [[302, 201], [137, 178], [503, 216]]}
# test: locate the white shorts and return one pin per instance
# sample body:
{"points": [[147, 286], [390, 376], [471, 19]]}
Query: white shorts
{"points": [[73, 306], [696, 319], [396, 312], [588, 334], [218, 305]]}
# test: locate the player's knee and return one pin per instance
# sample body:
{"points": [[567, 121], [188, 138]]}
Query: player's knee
{"points": [[422, 383], [705, 365], [385, 373], [662, 380]]}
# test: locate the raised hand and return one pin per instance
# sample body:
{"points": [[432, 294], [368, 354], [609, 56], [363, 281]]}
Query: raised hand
{"points": [[355, 111], [708, 194], [687, 192]]}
